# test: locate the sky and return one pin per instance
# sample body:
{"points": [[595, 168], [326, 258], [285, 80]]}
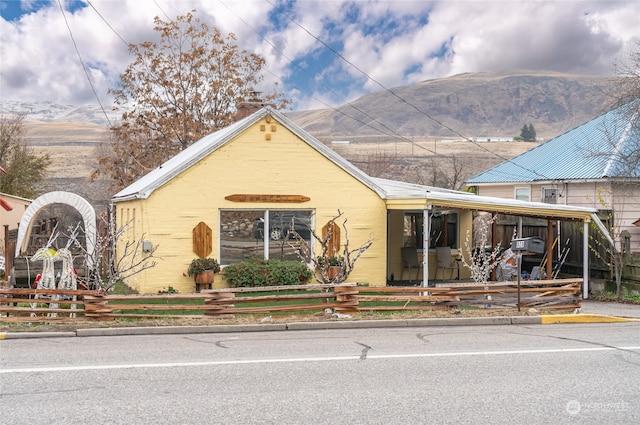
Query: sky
{"points": [[321, 53]]}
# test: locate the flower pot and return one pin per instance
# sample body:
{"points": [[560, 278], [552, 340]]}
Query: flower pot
{"points": [[204, 278], [334, 272]]}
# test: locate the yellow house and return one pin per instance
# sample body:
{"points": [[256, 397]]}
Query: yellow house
{"points": [[231, 194]]}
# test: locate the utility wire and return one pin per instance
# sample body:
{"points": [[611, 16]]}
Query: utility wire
{"points": [[403, 100], [389, 131], [108, 24], [84, 67]]}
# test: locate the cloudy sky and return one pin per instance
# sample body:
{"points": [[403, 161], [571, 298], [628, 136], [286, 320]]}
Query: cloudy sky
{"points": [[322, 52]]}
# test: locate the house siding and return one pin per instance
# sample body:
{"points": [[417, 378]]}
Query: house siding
{"points": [[251, 164]]}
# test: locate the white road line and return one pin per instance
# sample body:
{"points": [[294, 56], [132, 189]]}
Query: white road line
{"points": [[312, 359]]}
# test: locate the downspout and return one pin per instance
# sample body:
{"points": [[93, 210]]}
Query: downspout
{"points": [[426, 232]]}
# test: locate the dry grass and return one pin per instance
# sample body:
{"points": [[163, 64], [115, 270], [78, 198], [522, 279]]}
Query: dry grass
{"points": [[71, 325]]}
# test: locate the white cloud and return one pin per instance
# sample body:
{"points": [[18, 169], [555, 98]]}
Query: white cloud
{"points": [[394, 42]]}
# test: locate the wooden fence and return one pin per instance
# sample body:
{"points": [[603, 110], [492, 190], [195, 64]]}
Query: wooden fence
{"points": [[28, 305]]}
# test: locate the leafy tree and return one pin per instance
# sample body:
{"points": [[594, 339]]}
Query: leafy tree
{"points": [[528, 133], [176, 91], [24, 168]]}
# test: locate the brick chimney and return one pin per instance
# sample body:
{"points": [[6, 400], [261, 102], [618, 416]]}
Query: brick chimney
{"points": [[254, 104]]}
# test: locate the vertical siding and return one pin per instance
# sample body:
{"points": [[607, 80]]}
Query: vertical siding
{"points": [[251, 164]]}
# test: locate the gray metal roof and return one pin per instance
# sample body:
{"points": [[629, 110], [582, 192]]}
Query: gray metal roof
{"points": [[589, 151]]}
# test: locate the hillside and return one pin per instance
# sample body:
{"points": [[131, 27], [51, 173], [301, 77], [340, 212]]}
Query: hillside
{"points": [[482, 104], [399, 137]]}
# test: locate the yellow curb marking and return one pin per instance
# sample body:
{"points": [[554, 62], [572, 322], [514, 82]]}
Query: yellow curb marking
{"points": [[584, 318], [2, 335]]}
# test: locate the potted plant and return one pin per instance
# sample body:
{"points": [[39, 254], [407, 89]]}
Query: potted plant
{"points": [[333, 266], [203, 269]]}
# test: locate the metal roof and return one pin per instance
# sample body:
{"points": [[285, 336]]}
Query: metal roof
{"points": [[143, 187], [589, 151], [401, 194]]}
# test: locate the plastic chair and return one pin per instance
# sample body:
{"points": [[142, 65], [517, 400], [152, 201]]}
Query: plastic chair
{"points": [[446, 261], [410, 261]]}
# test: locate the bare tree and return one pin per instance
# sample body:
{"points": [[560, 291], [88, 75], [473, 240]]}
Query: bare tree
{"points": [[23, 168], [328, 257], [107, 266], [615, 255], [478, 260], [187, 85], [374, 164], [450, 176]]}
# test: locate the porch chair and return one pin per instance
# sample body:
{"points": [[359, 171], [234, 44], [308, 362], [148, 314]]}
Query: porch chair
{"points": [[410, 261], [446, 262]]}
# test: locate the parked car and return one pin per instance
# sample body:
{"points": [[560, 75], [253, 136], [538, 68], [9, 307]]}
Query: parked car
{"points": [[280, 225]]}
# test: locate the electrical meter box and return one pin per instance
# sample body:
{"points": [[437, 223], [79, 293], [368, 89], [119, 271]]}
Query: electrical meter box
{"points": [[531, 245]]}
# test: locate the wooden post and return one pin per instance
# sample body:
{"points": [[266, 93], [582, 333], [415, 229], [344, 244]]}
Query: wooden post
{"points": [[96, 307], [217, 303], [347, 297], [550, 245]]}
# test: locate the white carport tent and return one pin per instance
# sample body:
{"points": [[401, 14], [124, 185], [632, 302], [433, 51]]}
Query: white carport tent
{"points": [[412, 197]]}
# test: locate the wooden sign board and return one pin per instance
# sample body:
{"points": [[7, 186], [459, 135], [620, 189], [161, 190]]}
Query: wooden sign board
{"points": [[257, 197], [202, 240]]}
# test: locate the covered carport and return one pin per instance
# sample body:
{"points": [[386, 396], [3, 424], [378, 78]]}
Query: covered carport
{"points": [[409, 197]]}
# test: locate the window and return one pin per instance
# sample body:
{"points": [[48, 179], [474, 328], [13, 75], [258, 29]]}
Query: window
{"points": [[523, 194], [443, 228], [243, 234], [549, 195]]}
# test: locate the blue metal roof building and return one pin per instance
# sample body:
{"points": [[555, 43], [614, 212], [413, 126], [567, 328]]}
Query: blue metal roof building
{"points": [[597, 149]]}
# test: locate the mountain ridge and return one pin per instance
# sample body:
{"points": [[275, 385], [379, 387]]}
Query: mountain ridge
{"points": [[469, 104]]}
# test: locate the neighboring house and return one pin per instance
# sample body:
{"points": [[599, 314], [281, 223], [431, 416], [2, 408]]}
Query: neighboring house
{"points": [[231, 195], [11, 210], [587, 166]]}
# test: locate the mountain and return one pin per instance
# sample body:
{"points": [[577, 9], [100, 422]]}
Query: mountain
{"points": [[479, 104], [46, 111], [428, 115]]}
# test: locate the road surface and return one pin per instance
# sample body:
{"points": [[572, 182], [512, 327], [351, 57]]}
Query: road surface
{"points": [[539, 374]]}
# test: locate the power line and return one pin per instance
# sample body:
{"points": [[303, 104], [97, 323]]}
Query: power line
{"points": [[84, 67], [108, 24], [403, 100]]}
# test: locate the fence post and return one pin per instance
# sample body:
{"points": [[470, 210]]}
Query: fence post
{"points": [[217, 302], [96, 307], [347, 297]]}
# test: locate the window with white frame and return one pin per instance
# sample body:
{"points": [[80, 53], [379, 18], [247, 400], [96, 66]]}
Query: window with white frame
{"points": [[523, 193], [262, 234]]}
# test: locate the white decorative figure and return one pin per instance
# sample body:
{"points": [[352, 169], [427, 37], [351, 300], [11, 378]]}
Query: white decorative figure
{"points": [[68, 278], [47, 277], [68, 275]]}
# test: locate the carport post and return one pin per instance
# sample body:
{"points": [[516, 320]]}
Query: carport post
{"points": [[426, 229], [585, 259]]}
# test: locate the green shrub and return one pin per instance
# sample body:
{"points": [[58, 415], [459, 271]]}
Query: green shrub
{"points": [[254, 273]]}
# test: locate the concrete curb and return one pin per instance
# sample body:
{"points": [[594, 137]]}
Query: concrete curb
{"points": [[24, 335], [583, 318], [345, 324]]}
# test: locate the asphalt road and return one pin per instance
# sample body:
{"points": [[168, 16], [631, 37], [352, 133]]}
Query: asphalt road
{"points": [[540, 374]]}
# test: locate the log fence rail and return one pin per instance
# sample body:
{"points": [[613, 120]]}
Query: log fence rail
{"points": [[29, 305]]}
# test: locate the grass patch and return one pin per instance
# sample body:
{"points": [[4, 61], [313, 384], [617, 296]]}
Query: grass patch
{"points": [[612, 297]]}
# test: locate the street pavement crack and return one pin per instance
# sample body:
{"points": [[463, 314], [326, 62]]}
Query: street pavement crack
{"points": [[422, 337], [365, 350]]}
